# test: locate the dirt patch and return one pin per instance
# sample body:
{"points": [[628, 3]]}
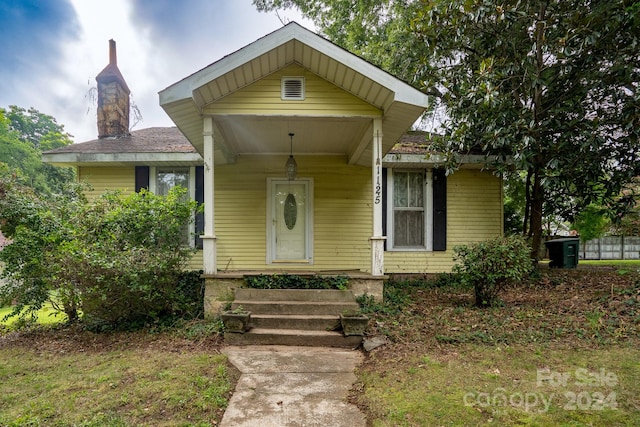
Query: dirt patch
{"points": [[573, 308]]}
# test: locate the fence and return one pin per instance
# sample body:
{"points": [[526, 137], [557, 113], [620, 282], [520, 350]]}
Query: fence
{"points": [[611, 247]]}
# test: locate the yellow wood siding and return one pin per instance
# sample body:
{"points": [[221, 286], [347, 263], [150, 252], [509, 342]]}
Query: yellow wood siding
{"points": [[321, 98], [195, 261], [474, 213], [342, 214], [108, 178], [341, 217]]}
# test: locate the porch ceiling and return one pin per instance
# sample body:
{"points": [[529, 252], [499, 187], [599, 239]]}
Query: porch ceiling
{"points": [[269, 135], [186, 100]]}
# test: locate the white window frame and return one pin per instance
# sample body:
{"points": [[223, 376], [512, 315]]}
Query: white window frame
{"points": [[428, 212], [153, 186]]}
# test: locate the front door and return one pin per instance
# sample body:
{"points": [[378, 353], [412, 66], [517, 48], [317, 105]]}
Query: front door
{"points": [[289, 222]]}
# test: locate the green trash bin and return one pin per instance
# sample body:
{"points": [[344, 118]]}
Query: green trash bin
{"points": [[563, 253]]}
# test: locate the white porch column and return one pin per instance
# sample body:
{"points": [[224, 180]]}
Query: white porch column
{"points": [[377, 239], [209, 236]]}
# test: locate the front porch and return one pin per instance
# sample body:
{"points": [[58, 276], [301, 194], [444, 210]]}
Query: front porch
{"points": [[220, 288]]}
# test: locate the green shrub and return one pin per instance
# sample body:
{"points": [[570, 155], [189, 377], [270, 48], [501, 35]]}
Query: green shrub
{"points": [[293, 281], [37, 228], [491, 265], [119, 260], [126, 256], [189, 295]]}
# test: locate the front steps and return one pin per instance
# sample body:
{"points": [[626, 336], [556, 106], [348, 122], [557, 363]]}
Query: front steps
{"points": [[306, 317]]}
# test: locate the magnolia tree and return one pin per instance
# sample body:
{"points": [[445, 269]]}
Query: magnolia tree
{"points": [[545, 88]]}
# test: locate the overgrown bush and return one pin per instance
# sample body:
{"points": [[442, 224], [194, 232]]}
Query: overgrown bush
{"points": [[189, 295], [491, 265], [117, 259], [37, 228]]}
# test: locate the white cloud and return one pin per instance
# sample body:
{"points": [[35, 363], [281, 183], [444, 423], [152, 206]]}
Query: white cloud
{"points": [[158, 43]]}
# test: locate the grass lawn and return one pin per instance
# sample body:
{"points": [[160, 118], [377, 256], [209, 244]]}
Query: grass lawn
{"points": [[511, 385], [564, 350], [46, 316], [72, 377], [635, 263]]}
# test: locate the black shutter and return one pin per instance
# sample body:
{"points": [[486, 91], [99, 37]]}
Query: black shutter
{"points": [[384, 205], [439, 210], [200, 200], [142, 178]]}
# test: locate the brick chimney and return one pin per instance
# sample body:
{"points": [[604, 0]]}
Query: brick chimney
{"points": [[113, 99]]}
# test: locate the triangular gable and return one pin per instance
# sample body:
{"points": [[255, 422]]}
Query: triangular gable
{"points": [[400, 104]]}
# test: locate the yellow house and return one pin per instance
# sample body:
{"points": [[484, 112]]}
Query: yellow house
{"points": [[300, 153]]}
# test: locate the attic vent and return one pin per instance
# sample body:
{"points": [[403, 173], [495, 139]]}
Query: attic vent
{"points": [[293, 88]]}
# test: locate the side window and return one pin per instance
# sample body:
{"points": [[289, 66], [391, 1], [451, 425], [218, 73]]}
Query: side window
{"points": [[159, 180], [409, 209], [168, 178], [415, 212]]}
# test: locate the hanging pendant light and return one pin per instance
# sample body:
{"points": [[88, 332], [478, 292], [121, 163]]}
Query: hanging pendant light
{"points": [[291, 166]]}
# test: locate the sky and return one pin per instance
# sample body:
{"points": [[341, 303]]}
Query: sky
{"points": [[51, 50]]}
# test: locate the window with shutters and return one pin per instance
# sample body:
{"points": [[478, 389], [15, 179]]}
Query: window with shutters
{"points": [[293, 88]]}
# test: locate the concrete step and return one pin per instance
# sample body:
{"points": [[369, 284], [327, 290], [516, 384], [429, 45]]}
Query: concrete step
{"points": [[306, 322], [260, 336], [296, 307], [294, 295]]}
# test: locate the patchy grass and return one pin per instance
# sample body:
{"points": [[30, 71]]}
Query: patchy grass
{"points": [[450, 363], [66, 376], [478, 385]]}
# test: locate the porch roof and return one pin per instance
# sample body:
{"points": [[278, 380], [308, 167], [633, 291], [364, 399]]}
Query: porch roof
{"points": [[400, 104]]}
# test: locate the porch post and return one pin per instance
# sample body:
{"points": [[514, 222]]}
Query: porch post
{"points": [[209, 236], [377, 239]]}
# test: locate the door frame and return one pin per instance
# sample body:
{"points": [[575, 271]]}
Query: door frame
{"points": [[271, 229]]}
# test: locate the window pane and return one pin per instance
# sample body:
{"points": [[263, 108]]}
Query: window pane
{"points": [[400, 189], [416, 189], [169, 178], [408, 228]]}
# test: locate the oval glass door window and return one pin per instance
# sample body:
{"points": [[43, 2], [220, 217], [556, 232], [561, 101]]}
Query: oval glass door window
{"points": [[290, 211]]}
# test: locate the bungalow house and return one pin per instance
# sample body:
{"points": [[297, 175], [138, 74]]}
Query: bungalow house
{"points": [[300, 153]]}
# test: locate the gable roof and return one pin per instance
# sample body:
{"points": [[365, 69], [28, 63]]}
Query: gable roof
{"points": [[399, 103]]}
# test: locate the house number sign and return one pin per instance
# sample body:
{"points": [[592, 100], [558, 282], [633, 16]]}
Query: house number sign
{"points": [[378, 190]]}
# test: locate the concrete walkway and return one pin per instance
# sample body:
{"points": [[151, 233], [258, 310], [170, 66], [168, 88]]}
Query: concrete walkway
{"points": [[293, 386]]}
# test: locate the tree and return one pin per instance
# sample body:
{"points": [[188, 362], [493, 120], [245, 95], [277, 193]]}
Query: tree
{"points": [[17, 155], [592, 223], [548, 87], [24, 135]]}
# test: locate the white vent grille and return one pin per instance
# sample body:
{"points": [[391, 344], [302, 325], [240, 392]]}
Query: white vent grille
{"points": [[293, 88]]}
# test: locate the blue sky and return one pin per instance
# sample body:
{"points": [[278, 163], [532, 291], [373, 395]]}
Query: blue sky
{"points": [[51, 50]]}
